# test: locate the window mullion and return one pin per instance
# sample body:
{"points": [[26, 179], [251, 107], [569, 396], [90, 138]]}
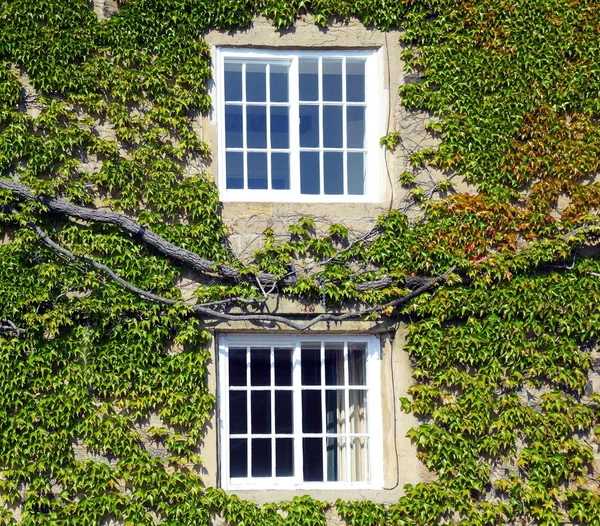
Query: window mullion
{"points": [[268, 99], [273, 440], [321, 155], [244, 128], [347, 412], [323, 412], [294, 106], [297, 409], [249, 409], [344, 131]]}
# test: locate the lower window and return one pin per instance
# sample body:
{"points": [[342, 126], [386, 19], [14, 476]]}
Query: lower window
{"points": [[300, 412]]}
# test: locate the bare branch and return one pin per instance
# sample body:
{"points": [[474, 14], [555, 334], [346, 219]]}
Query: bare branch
{"points": [[8, 327], [206, 310]]}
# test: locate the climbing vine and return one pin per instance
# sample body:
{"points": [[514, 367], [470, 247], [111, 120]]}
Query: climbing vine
{"points": [[105, 201]]}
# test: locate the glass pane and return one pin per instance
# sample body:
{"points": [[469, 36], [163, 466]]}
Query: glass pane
{"points": [[356, 173], [280, 171], [310, 173], [284, 414], [309, 126], [358, 459], [355, 80], [311, 412], [335, 411], [357, 363], [238, 457], [261, 457], [256, 82], [357, 407], [283, 367], [238, 412], [332, 127], [334, 363], [336, 459], [312, 454], [257, 171], [260, 366], [280, 127], [333, 170], [260, 402], [284, 457], [233, 126], [332, 79], [233, 81], [310, 361], [256, 126], [308, 69], [237, 366], [234, 178], [356, 126], [279, 83]]}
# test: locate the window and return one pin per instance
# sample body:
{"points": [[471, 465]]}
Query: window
{"points": [[298, 126], [300, 412]]}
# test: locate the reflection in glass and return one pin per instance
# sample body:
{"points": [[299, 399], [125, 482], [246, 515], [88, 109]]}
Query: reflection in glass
{"points": [[309, 80], [333, 171], [312, 454], [256, 126], [280, 127], [238, 412], [260, 409], [283, 364], [233, 81], [309, 126], [309, 173], [280, 171], [257, 171], [311, 411], [261, 457], [233, 126], [336, 459], [356, 173], [279, 83], [357, 363], [332, 127], [355, 80], [334, 363], [284, 412], [335, 417], [284, 457], [234, 177], [332, 79], [358, 458], [311, 365], [237, 366], [357, 407], [256, 84], [356, 126]]}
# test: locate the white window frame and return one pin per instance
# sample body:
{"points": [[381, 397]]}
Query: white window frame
{"points": [[374, 413], [375, 95]]}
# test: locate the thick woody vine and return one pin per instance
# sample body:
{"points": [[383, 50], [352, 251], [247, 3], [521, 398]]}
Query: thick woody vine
{"points": [[105, 202]]}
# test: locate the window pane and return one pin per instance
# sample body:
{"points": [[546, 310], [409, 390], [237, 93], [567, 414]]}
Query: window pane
{"points": [[356, 173], [312, 455], [336, 459], [308, 69], [284, 412], [283, 367], [257, 171], [284, 457], [233, 126], [309, 173], [309, 126], [280, 171], [333, 169], [233, 81], [238, 457], [238, 412], [280, 127], [311, 412], [332, 79], [357, 363], [332, 127], [334, 363], [235, 170], [356, 126], [260, 366], [359, 470], [310, 361], [256, 126], [237, 366], [357, 408], [261, 457], [260, 402], [355, 80], [335, 416], [279, 83], [256, 82]]}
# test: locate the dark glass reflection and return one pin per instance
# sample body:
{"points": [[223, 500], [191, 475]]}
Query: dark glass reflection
{"points": [[280, 171], [235, 170], [283, 366], [237, 366], [260, 402], [284, 457], [309, 126], [258, 178], [309, 173], [260, 366], [261, 457], [256, 126], [238, 457], [312, 454], [284, 415], [333, 173], [310, 361], [233, 126], [238, 412], [311, 412]]}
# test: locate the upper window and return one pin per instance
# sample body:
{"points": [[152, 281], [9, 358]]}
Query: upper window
{"points": [[300, 412], [298, 126]]}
